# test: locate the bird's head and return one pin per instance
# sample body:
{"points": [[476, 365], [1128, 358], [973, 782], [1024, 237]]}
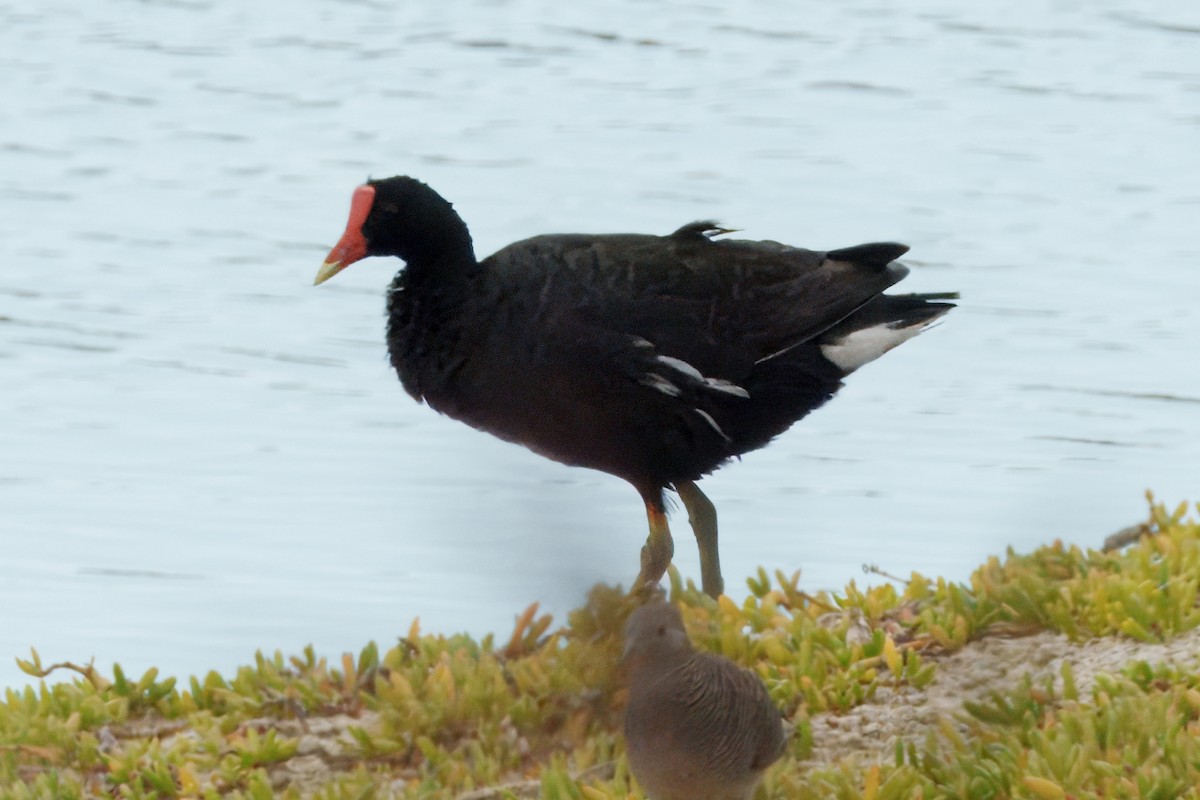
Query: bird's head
{"points": [[654, 635], [400, 217]]}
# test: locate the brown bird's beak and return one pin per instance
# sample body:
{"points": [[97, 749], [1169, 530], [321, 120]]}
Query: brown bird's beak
{"points": [[353, 245]]}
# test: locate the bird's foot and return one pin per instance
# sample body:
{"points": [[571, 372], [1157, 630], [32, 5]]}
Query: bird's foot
{"points": [[656, 557]]}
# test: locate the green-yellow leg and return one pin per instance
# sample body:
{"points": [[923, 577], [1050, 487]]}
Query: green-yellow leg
{"points": [[656, 554], [702, 515]]}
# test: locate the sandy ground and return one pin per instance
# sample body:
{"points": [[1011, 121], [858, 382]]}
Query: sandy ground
{"points": [[984, 666]]}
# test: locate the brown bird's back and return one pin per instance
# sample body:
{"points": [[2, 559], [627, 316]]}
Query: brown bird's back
{"points": [[697, 727]]}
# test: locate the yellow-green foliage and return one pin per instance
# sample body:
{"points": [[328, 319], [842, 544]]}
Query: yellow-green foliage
{"points": [[436, 716], [1137, 736]]}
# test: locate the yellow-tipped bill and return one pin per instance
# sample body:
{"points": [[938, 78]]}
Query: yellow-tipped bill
{"points": [[328, 270], [353, 245]]}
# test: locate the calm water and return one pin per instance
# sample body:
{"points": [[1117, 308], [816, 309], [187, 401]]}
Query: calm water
{"points": [[201, 454]]}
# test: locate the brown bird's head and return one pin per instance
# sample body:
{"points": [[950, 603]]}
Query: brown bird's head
{"points": [[655, 636]]}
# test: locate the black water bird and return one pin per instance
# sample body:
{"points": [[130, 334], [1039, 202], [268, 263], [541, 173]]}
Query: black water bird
{"points": [[652, 358]]}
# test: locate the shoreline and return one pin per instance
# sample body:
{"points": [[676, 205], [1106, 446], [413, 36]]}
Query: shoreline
{"points": [[1005, 686]]}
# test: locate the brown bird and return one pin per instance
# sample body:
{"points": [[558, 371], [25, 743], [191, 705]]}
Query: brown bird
{"points": [[652, 358], [698, 726]]}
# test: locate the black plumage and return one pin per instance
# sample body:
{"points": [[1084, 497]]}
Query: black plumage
{"points": [[652, 358]]}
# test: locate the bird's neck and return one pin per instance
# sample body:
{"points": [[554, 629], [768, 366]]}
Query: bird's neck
{"points": [[443, 255], [658, 665]]}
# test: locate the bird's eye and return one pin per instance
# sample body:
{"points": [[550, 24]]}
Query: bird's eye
{"points": [[662, 631]]}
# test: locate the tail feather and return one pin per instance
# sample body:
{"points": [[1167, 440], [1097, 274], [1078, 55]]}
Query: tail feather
{"points": [[876, 253], [883, 323]]}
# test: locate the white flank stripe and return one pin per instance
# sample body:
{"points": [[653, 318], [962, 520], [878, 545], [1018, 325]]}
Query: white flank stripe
{"points": [[681, 366], [656, 381], [716, 384]]}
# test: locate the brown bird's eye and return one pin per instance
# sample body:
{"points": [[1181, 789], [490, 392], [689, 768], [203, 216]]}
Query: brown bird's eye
{"points": [[662, 631]]}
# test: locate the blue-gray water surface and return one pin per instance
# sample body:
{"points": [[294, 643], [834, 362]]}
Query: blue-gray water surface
{"points": [[201, 454]]}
